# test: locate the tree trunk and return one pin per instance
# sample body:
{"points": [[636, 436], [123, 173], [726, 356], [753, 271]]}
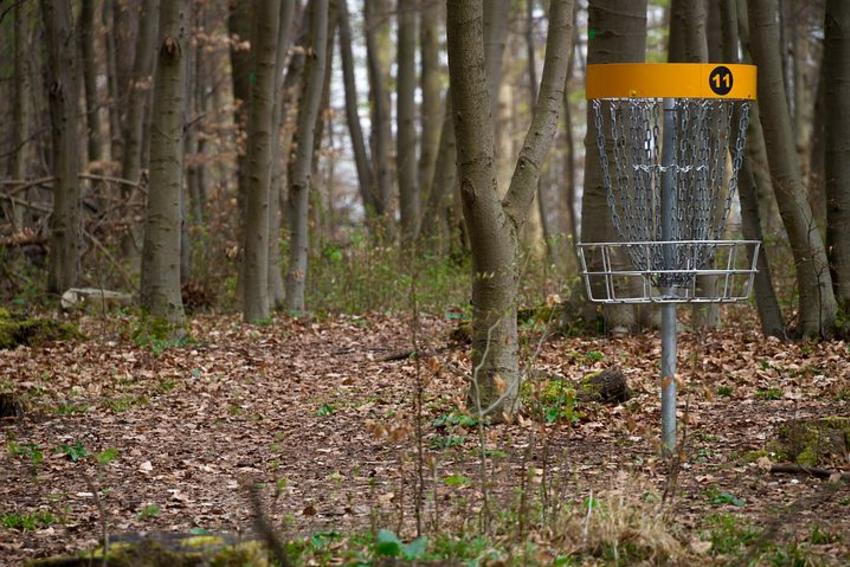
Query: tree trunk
{"points": [[430, 81], [495, 224], [63, 96], [380, 115], [133, 146], [619, 37], [836, 65], [275, 277], [115, 131], [770, 314], [255, 269], [160, 283], [300, 173], [20, 107], [689, 44], [408, 188], [87, 43], [443, 184], [817, 300], [365, 179]]}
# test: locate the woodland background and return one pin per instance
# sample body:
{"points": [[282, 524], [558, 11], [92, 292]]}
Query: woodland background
{"points": [[273, 190]]}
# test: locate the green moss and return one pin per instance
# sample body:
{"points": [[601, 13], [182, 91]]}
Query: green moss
{"points": [[209, 550], [812, 442], [16, 330], [755, 455]]}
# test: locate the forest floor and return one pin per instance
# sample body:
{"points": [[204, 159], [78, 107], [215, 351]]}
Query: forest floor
{"points": [[164, 438]]}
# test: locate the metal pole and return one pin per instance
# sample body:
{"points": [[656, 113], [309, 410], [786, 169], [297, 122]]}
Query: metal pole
{"points": [[668, 310]]}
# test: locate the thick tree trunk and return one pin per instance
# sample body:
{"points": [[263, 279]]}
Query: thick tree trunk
{"points": [[300, 173], [689, 44], [255, 270], [133, 146], [275, 277], [408, 188], [430, 109], [836, 66], [620, 37], [494, 225], [63, 96], [365, 178], [160, 282], [817, 299], [89, 59], [380, 114], [770, 314]]}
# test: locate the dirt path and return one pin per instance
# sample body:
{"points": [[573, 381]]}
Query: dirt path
{"points": [[297, 405]]}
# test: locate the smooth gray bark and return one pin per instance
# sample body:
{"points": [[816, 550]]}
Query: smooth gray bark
{"points": [[836, 67], [770, 314], [817, 299], [619, 36], [89, 60], [431, 87], [495, 224], [406, 163], [140, 83], [63, 92], [381, 132], [300, 173], [275, 269], [365, 177], [255, 269], [160, 277]]}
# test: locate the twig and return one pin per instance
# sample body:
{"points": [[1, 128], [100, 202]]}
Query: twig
{"points": [[264, 528], [111, 259], [104, 523]]}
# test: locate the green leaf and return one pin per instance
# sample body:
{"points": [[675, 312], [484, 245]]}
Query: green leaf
{"points": [[75, 452], [726, 498], [107, 456], [415, 549], [325, 410], [199, 531], [456, 480], [388, 544]]}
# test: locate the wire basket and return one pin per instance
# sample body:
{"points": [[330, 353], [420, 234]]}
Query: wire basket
{"points": [[713, 271]]}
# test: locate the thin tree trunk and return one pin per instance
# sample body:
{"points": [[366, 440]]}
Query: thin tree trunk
{"points": [[380, 115], [365, 178], [133, 146], [817, 299], [300, 173], [20, 107], [621, 38], [430, 82], [443, 184], [160, 282], [836, 65], [89, 60], [770, 314], [275, 277], [63, 96], [408, 188], [495, 224], [255, 289], [115, 131]]}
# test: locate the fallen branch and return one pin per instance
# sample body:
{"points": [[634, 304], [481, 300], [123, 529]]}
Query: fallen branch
{"points": [[792, 468]]}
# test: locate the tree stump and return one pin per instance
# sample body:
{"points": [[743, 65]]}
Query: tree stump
{"points": [[607, 387]]}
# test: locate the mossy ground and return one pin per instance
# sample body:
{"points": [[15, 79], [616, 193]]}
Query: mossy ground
{"points": [[17, 330]]}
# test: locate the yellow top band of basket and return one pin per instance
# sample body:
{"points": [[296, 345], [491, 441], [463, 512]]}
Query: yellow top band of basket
{"points": [[671, 80]]}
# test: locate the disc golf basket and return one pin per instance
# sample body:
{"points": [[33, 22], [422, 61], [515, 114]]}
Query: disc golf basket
{"points": [[671, 143]]}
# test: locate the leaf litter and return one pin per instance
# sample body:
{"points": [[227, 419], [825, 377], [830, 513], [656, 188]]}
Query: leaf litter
{"points": [[310, 409]]}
